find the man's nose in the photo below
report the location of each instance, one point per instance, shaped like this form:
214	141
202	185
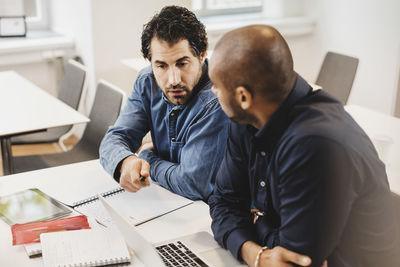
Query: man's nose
174	76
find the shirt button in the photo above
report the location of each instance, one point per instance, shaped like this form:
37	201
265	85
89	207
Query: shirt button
262	183
173	139
262	153
172	114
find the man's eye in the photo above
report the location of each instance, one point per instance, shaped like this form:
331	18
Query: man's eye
181	64
161	66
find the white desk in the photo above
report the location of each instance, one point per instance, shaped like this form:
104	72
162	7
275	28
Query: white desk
374	124
26	108
77	181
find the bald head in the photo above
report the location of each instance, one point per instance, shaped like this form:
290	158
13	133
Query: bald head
257	58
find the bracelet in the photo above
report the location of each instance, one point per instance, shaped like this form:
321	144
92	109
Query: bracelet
259	254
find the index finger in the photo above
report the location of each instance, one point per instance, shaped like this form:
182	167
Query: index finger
145	173
145	168
139	177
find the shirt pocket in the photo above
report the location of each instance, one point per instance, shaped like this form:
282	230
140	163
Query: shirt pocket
175	151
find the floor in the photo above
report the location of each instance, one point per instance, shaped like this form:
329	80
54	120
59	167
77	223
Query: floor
35	149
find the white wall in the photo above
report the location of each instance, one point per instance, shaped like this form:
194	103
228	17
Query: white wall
367	29
11	8
105	32
74	18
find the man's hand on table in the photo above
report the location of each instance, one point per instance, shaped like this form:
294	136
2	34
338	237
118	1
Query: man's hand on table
135	174
276	257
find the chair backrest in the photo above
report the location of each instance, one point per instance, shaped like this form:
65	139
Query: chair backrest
337	74
105	111
397	106
72	84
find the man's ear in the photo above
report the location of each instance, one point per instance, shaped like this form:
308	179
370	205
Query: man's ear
203	56
243	97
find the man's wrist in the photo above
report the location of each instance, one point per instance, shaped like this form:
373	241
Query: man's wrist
260	251
249	251
124	160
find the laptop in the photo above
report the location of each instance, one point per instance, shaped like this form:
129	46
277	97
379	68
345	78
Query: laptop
199	249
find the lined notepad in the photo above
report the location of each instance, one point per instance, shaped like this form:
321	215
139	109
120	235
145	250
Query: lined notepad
146	204
94	247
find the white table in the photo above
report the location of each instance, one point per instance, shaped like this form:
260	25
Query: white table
379	124
77	181
25	108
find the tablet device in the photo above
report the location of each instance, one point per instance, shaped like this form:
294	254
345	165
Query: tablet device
30	205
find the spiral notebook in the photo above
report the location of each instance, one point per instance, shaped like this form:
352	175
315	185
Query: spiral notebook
142	206
94	247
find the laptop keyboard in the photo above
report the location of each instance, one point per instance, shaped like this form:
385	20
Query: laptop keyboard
177	254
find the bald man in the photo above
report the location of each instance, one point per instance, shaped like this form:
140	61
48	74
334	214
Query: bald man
298	172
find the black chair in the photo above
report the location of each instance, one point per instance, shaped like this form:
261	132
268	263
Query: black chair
70	93
105	110
337	74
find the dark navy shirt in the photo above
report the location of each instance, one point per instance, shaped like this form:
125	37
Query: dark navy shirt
317	177
189	140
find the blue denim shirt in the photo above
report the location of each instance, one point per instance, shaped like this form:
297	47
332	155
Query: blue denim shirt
189	140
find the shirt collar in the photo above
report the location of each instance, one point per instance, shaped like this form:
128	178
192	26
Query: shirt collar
269	134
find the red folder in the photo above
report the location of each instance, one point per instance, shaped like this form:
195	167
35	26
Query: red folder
30	232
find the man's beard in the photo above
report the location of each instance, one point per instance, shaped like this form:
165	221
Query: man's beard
178	99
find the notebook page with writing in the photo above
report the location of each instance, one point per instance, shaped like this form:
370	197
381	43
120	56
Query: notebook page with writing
94	247
146	204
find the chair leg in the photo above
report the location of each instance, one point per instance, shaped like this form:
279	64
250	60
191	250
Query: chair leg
61	142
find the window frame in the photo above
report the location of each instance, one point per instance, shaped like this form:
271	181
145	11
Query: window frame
41	21
207	12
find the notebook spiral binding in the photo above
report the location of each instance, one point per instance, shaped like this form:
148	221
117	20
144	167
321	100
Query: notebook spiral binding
95	198
108	261
104	262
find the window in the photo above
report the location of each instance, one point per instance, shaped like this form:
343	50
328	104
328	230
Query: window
223	7
36	13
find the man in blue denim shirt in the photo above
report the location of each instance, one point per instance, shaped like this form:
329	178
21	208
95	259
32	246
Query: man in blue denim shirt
173	100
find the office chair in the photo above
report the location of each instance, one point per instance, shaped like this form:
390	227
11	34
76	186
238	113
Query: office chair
337	74
106	107
396	200
70	93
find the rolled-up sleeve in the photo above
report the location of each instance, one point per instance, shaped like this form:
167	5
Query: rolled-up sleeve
125	136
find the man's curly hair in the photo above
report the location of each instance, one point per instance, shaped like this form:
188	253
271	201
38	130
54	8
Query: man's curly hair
172	24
